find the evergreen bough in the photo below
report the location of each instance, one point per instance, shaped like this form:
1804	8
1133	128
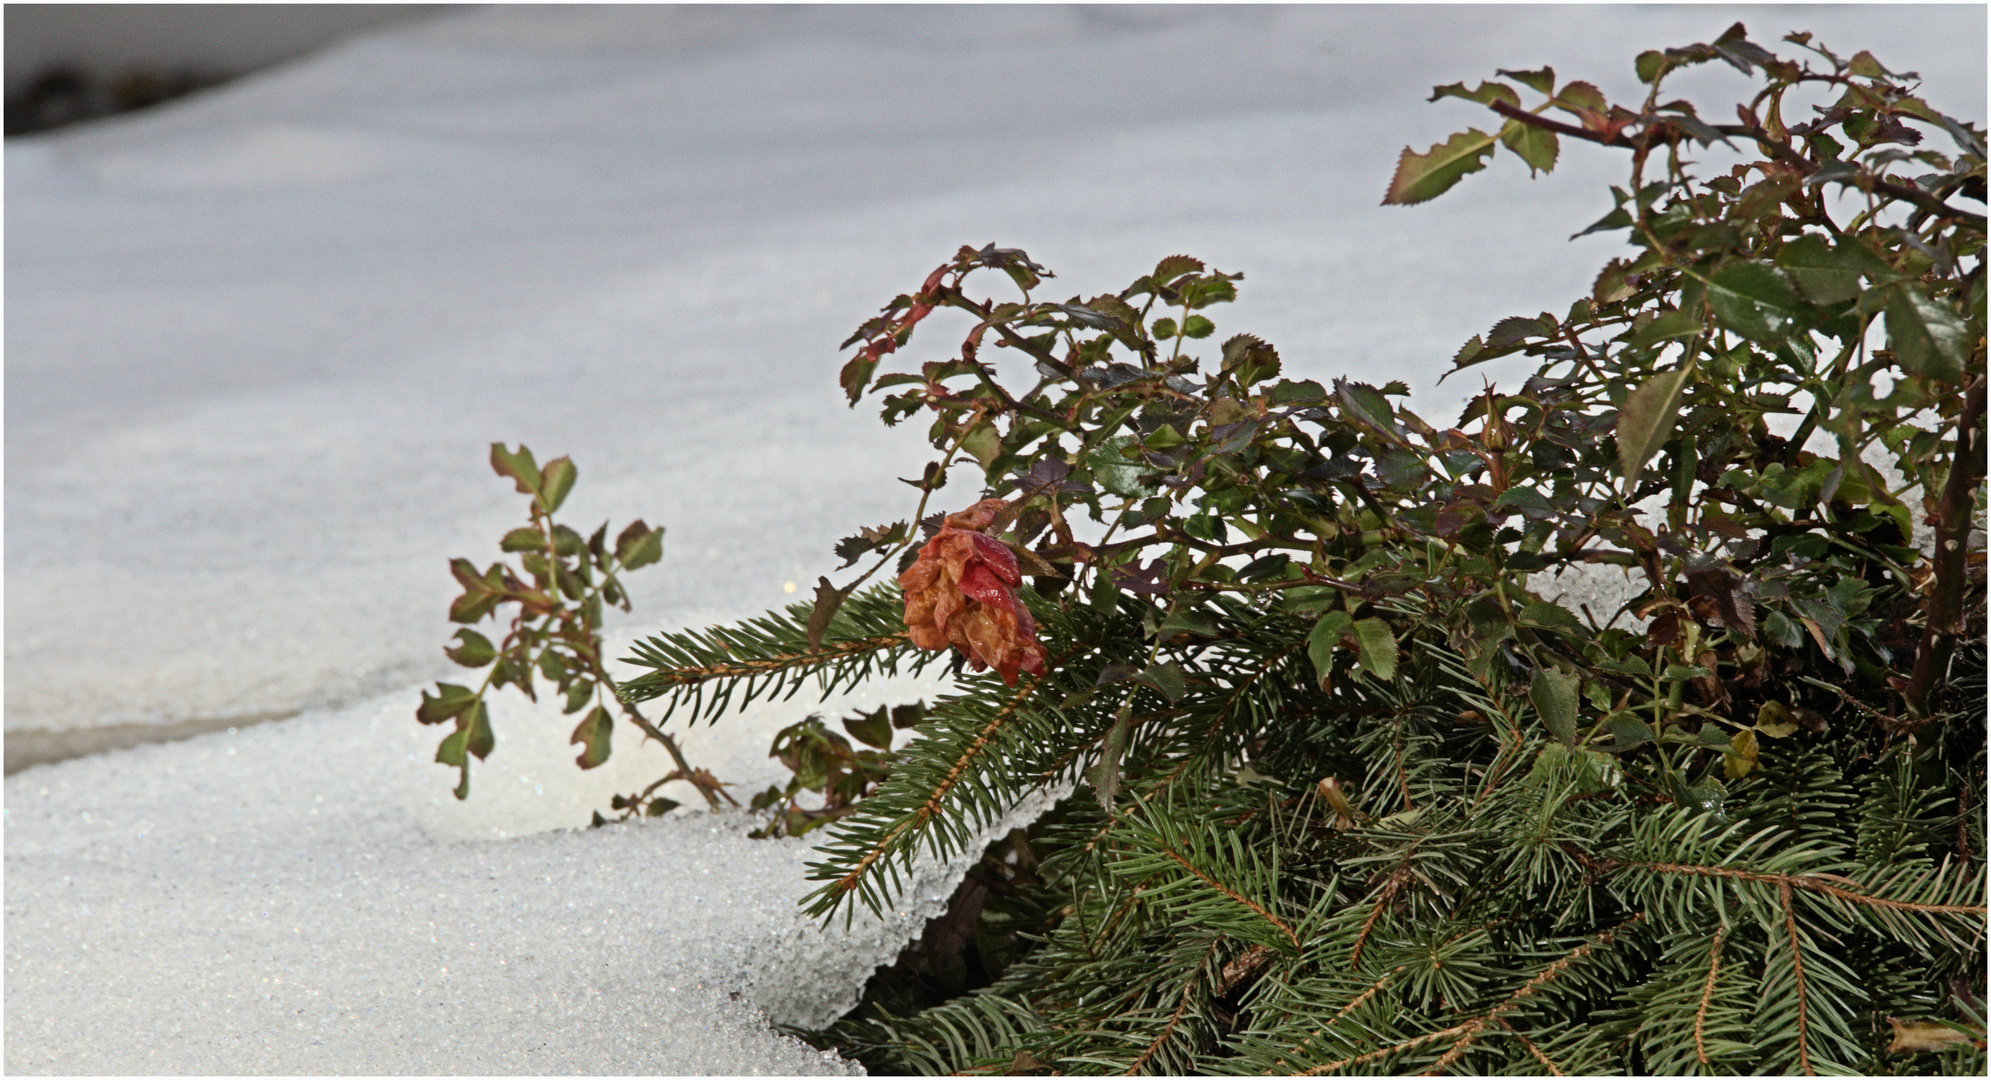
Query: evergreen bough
1352	796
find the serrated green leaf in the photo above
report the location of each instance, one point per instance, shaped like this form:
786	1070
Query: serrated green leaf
523	538
1422	177
1756	300
1646	421
593	733
1554	696
481	592
1174	267
1187	622
1929	339
1541	82
1545	614
473	650
1530	502
479	740
1203	290
1649	64
1865	66
1323	639
983	443
519	466
1288	392
1468	353
1377	647
1536	146
1582	99
856	374
1826	274
450	752
639	545
1627	732
1114	471
1486	94
556	479
1196	326
1165	678
1669	324
450	700
1363	402
1251	359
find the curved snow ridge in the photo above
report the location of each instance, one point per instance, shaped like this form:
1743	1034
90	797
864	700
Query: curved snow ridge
301	897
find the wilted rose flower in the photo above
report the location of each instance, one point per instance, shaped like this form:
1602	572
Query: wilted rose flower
962	592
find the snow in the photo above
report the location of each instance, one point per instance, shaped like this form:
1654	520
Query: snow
258	341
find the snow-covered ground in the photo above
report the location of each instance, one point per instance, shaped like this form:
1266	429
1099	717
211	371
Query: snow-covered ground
258	341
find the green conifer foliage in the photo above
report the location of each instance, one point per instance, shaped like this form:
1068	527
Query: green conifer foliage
1351	797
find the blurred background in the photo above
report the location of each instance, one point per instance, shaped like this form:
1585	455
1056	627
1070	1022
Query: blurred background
71	62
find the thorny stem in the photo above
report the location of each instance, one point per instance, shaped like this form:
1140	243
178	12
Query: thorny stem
1776	148
1951	518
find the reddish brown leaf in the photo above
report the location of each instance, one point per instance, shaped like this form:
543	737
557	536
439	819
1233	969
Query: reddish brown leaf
961	592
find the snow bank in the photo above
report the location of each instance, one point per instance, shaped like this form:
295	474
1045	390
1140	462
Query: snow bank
257	341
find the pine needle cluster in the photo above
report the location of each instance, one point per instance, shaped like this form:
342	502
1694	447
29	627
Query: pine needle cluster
1350	796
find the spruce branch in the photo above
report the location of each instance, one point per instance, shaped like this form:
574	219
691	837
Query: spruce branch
1528	1045
1707	994
1797	968
1175	1018
770	655
1464	1033
1813	883
1235	895
1354	1003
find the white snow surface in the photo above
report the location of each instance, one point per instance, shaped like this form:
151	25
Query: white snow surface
258	341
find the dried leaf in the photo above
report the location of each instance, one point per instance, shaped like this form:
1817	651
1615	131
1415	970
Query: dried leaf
961	592
873	729
828	599
1739	760
593	733
1775	721
1105	775
1922	1036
